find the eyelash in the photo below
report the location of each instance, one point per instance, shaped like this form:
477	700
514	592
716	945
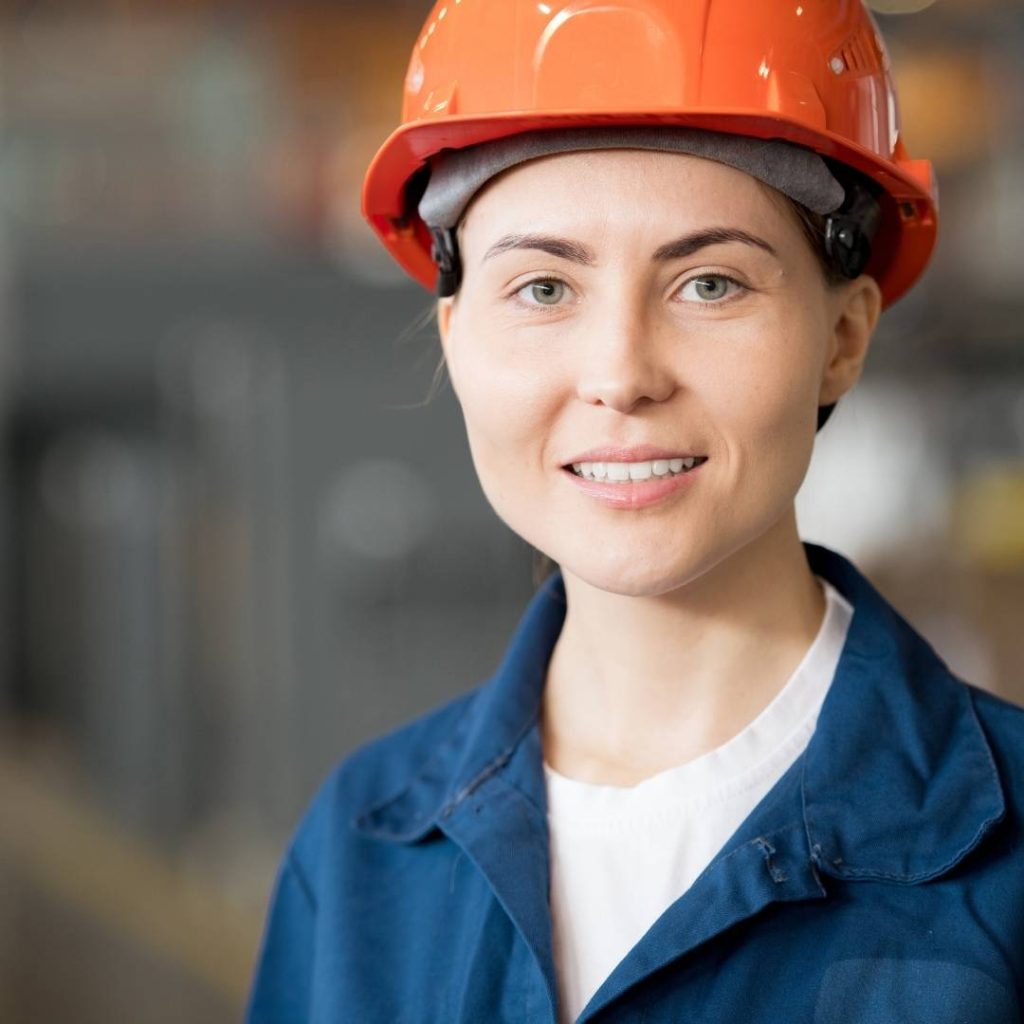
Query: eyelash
514	296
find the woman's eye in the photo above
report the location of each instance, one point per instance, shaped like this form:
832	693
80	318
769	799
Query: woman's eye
542	292
709	288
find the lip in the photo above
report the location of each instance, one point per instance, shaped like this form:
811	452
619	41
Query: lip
636	494
639	453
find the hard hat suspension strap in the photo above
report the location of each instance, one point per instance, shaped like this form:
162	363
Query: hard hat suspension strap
850	230
445	253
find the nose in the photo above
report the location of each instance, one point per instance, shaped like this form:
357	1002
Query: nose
625	361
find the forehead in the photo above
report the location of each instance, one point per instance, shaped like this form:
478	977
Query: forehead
610	189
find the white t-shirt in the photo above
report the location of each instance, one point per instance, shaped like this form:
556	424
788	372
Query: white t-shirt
620	855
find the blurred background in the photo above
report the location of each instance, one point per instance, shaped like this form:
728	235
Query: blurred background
236	540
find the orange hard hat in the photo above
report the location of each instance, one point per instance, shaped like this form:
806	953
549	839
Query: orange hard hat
814	73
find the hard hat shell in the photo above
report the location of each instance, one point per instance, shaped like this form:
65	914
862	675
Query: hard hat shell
814	72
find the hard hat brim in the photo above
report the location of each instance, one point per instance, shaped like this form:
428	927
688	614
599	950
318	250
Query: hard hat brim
908	191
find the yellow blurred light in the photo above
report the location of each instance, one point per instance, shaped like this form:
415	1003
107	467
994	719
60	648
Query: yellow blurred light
989	516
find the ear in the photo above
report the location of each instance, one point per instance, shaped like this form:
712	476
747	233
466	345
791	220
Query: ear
445	308
445	311
855	315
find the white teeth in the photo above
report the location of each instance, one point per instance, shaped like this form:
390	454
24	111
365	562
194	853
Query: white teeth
622	472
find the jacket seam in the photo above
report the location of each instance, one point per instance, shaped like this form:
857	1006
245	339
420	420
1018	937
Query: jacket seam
436	754
485	773
759	842
295	866
992	767
491	767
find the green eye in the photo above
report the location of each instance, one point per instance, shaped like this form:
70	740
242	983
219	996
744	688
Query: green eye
545	293
711	290
712	287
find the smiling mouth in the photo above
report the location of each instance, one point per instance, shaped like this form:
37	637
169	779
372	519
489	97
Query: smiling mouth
627	472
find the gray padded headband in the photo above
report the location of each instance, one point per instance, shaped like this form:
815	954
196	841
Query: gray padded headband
457	175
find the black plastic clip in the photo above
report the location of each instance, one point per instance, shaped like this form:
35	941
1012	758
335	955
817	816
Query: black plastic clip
445	253
850	230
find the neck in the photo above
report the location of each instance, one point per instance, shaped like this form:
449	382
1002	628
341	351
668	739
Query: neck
636	685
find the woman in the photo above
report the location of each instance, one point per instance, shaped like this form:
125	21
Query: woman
717	777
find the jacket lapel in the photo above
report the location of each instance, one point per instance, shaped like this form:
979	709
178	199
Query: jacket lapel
766	861
506	835
899	783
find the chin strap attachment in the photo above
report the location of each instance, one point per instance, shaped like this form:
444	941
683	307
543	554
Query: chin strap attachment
848	236
850	230
445	253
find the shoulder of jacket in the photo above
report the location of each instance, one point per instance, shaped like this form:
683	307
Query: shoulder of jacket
1002	719
372	772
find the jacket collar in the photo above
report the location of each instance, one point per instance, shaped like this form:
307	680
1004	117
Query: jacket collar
898	781
499	717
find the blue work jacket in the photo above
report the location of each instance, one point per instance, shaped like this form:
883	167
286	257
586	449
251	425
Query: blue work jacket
880	881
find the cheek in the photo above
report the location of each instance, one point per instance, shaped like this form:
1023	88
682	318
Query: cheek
509	403
763	396
769	371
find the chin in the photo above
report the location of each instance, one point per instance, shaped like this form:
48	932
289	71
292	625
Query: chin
629	575
651	568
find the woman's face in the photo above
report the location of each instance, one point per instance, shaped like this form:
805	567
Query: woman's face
625	310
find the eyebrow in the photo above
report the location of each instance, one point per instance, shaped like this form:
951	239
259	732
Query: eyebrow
679	248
